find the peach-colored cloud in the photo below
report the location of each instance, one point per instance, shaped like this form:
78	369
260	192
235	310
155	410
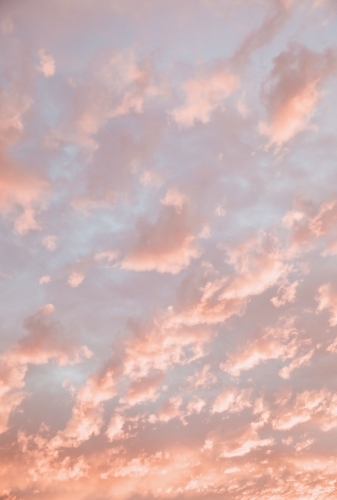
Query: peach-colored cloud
160	345
107	256
327	299
47	64
287	294
50	242
259	264
44	279
144	389
166	245
114	430
232	400
117	84
277	343
194	141
316	406
202	379
246	447
22	193
203	95
75	279
87	413
293	92
45	341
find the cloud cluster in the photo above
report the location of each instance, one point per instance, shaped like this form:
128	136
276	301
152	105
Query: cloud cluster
168	244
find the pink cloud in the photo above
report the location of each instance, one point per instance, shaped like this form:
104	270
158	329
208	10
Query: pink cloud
45	342
47	64
75	279
168	207
327	299
277	343
292	93
168	244
203	95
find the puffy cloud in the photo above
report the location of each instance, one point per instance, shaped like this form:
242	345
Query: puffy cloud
327	299
44	279
22	192
287	294
315	406
171	409
161	345
75	279
87	413
114	430
203	95
107	256
259	264
45	341
50	242
213	375
116	85
47	64
166	245
232	400
277	343
202	379
252	443
144	389
292	93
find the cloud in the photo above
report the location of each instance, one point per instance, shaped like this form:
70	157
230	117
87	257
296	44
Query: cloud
144	389
47	64
87	413
46	341
232	400
327	299
276	343
315	406
44	279
116	84
291	92
161	203
166	245
259	263
75	279
50	242
160	345
23	193
114	430
287	294
203	379
204	94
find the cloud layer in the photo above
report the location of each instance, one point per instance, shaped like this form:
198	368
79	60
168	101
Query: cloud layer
168	221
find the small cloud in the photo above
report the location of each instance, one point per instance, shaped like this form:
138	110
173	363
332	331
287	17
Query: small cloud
203	95
220	211
26	222
47	63
105	256
50	242
47	309
174	198
75	279
44	279
242	107
205	232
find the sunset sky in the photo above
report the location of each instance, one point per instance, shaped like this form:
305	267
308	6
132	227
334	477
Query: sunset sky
168	220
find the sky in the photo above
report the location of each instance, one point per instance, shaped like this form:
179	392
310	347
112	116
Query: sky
168	221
